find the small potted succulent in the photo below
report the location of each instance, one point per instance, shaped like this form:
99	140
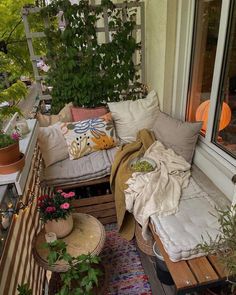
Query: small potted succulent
55	211
11	159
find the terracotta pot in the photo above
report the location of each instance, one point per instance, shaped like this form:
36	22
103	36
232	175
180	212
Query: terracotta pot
61	227
13	167
10	154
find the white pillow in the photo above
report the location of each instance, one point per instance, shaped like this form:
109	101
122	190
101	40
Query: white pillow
52	144
131	116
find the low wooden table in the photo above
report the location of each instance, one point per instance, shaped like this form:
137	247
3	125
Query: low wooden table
193	274
87	236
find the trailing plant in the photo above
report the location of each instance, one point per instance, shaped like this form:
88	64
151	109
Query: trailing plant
24	289
82	69
224	245
82	274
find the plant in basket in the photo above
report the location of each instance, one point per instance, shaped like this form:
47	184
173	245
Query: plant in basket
55	211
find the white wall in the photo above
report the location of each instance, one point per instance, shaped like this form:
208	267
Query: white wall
160	48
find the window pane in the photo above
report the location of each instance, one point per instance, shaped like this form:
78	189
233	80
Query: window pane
204	51
225	121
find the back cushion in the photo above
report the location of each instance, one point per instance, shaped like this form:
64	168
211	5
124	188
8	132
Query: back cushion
87	136
131	116
178	135
52	144
79	114
63	116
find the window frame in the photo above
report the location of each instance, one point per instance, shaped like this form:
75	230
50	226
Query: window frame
218	165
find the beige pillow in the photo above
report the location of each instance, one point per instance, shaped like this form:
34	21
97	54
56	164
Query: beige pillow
63	116
178	135
52	144
131	116
87	136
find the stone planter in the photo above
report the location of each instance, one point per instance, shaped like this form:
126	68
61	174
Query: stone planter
61	227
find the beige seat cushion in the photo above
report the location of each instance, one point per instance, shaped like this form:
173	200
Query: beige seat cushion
178	135
52	144
63	116
131	116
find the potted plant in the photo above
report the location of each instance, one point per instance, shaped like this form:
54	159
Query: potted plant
11	160
224	246
84	275
55	211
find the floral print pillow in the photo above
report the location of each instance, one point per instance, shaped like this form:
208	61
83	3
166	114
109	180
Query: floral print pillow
85	137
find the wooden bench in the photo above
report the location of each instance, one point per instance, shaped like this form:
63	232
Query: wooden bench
193	274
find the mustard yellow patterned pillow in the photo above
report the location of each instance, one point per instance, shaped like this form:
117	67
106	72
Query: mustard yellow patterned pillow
85	137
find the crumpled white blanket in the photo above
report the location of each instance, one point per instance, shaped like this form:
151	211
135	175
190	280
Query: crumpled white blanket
158	191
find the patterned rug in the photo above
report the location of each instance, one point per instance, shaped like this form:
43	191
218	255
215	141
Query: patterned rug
126	274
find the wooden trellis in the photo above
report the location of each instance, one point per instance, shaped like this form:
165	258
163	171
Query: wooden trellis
102	29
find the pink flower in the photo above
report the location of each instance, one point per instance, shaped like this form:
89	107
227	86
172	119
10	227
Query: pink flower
65	206
72	194
15	136
69	195
50	209
59	190
63	194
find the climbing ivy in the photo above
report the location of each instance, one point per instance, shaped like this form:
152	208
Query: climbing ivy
83	70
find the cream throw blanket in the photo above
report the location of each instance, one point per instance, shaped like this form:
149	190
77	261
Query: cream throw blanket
158	191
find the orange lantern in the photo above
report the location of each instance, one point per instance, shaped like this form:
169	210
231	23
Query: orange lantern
202	115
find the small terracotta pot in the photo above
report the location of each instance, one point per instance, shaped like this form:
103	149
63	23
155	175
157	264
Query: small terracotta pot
61	227
13	167
10	154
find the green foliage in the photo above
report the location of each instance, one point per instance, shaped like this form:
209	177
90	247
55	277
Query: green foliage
83	272
81	69
24	290
14	56
5	140
12	94
225	243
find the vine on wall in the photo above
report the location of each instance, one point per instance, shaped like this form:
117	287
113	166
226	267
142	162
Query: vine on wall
81	69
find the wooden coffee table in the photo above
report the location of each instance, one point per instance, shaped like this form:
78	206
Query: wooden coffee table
87	236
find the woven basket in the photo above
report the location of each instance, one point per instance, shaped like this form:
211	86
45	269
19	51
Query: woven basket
144	246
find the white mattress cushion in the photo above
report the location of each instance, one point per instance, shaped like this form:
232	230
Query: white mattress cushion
197	217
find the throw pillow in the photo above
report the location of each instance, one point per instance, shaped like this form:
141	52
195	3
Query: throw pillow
178	135
63	116
131	116
52	144
80	114
85	137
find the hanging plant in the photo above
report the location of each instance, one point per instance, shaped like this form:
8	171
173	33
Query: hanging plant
81	69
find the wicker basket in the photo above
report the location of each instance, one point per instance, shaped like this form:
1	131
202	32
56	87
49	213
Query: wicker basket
144	246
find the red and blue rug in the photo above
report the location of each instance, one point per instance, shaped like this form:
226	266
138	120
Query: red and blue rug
126	274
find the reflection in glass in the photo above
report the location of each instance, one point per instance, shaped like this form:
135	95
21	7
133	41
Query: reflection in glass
203	60
226	137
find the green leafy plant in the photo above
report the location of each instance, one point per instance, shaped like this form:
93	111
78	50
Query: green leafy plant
8	139
24	289
12	95
83	271
224	245
82	69
58	205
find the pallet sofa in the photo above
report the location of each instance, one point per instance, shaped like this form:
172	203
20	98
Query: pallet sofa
129	117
